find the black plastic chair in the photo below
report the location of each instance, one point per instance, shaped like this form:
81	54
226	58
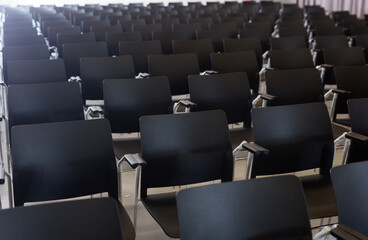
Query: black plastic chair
347	56
202	150
53	31
73	52
100	31
65	160
244	44
96	69
44	103
228	210
166	39
262	33
86	24
290	59
23	40
177	67
19	31
350	184
92	219
216	36
229	92
202	48
322	42
147	30
126	100
36	71
230	27
113	39
128	24
285	142
283	43
139	50
189	28
31	52
351	82
355	149
242	61
62	38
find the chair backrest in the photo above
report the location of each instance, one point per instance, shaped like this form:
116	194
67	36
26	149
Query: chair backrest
64	160
197	142
36	71
126	100
291	59
73	52
147	30
53	31
350	187
166	39
88	23
92	218
20	31
177	67
358	121
294	86
262	33
292	32
298	137
335	41
44	103
202	48
128	24
242	61
204	21
95	69
31	52
113	39
229	92
216	36
243	44
189	28
287	43
328	31
353	79
23	40
62	38
230	27
100	31
167	23
204	212
347	56
139	50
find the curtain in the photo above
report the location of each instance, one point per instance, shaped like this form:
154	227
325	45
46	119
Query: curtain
358	7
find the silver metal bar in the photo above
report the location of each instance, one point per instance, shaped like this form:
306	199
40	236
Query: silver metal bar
345	152
333	106
248	166
138	171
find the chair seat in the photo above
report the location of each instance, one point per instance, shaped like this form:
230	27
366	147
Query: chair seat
338	130
122	147
343	121
239	135
320	196
162	208
127	226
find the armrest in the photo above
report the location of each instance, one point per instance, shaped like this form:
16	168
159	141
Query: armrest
75	79
94	111
187	103
340	91
208	72
2	175
265	55
143	75
134	160
268	97
327	65
344	232
356	137
254	148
